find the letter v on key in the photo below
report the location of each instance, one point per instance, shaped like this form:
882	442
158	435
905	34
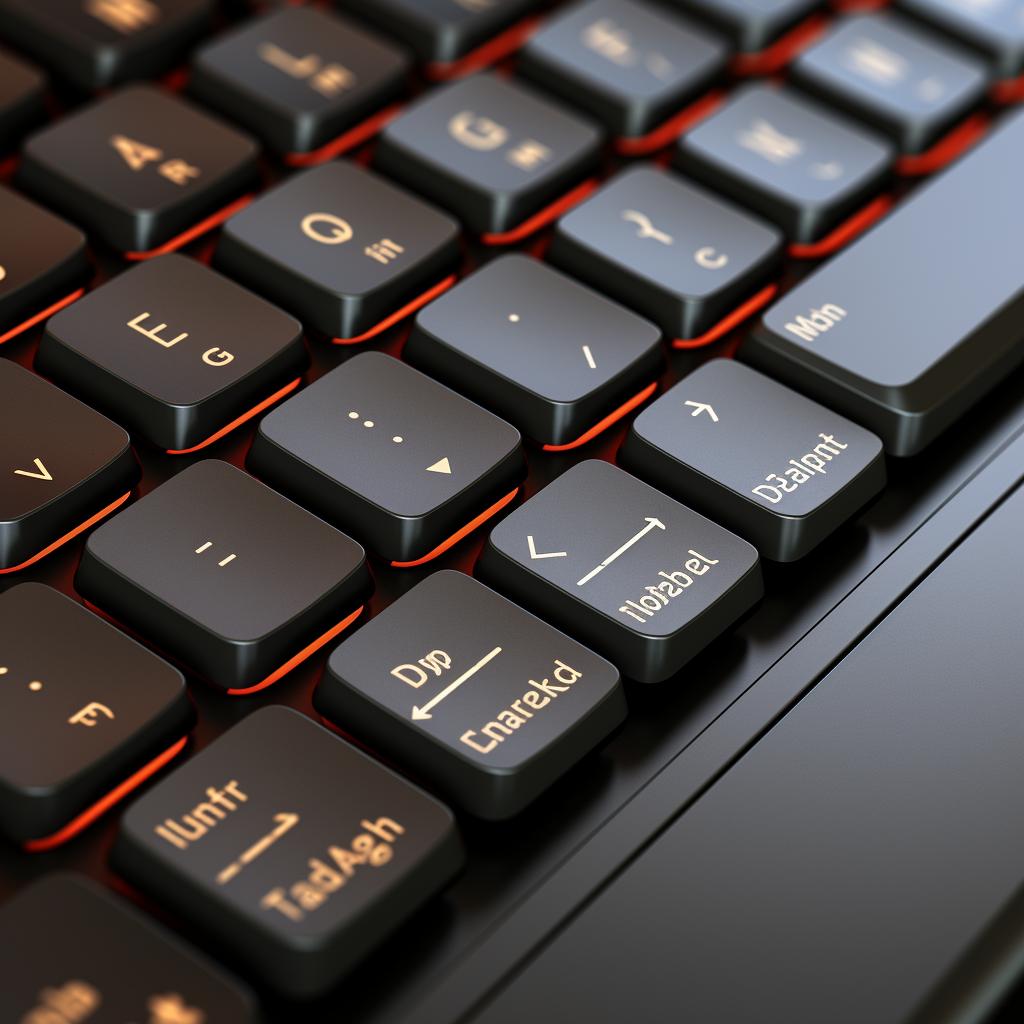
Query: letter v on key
535	554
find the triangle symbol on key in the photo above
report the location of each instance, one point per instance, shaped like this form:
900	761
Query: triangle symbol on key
441	466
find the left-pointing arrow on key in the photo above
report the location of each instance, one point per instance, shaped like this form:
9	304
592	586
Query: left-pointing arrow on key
43	474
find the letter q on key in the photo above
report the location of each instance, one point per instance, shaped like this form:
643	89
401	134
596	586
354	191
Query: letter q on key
337	232
217	357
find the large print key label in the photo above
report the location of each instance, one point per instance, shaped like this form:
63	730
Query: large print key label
298	873
671	584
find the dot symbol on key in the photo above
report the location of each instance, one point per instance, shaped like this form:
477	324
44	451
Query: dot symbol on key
369	424
513	318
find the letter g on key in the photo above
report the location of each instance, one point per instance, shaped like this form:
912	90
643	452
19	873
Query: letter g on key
326	228
217	357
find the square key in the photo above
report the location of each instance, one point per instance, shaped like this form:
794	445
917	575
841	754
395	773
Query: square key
35	278
77	717
672	250
298	78
174	351
904	82
777	468
492	151
788	158
624	63
488	703
297	851
63	467
643	580
94	44
388	453
226	575
341	248
557	360
138	167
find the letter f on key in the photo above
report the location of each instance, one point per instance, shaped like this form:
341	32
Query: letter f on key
154	333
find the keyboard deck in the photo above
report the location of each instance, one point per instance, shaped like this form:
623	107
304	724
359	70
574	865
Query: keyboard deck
901	151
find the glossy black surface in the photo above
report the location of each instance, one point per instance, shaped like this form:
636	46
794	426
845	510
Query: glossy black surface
22	94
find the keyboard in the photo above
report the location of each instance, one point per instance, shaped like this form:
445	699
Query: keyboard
455	455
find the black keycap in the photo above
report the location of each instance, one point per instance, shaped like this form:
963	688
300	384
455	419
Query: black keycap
42	263
157	166
174	351
627	64
777	468
22	91
80	717
914	323
342	248
442	31
380	448
63	466
493	152
995	30
95	44
226	575
750	25
299	77
671	250
554	358
788	158
299	873
488	703
611	560
907	84
76	953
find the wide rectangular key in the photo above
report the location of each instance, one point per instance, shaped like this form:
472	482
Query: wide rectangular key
342	248
83	721
174	351
909	327
557	360
293	849
388	453
77	954
777	468
22	91
642	579
494	152
299	77
36	279
158	167
488	703
63	467
625	63
226	575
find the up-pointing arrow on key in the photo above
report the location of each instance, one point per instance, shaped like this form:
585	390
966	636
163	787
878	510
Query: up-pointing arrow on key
699	407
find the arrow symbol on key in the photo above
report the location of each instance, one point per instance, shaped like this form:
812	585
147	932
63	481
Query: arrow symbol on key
535	554
699	407
43	474
419	714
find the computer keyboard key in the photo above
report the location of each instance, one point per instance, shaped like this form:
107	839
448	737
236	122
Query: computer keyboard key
342	248
22	93
628	65
673	251
910	85
388	453
751	26
299	77
74	953
95	44
494	152
777	468
225	575
995	30
63	467
642	579
909	327
84	720
441	32
174	351
298	873
36	278
554	358
788	158
157	167
475	695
